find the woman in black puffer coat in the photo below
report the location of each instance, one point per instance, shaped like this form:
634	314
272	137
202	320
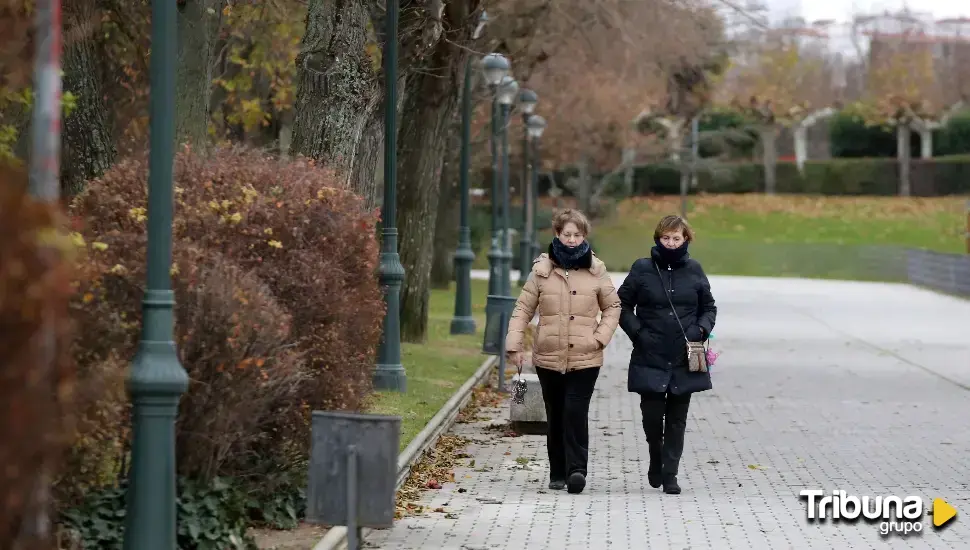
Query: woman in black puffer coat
658	364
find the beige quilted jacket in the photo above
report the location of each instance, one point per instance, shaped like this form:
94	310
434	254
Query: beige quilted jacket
569	302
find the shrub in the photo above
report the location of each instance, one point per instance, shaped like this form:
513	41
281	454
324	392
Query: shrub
210	516
36	376
278	312
862	176
309	238
245	376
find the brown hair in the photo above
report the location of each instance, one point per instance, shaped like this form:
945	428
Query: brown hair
673	223
561	218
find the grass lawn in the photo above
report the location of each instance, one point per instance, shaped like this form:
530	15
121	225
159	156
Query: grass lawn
437	368
820	236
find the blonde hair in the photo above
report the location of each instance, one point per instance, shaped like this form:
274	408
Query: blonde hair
672	224
570	215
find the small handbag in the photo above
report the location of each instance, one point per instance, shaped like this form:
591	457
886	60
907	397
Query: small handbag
519	388
696	352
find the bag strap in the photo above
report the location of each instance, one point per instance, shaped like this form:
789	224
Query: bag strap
669	301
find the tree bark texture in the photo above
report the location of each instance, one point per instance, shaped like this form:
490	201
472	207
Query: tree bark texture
338	116
87	142
198	30
367	178
449	211
431	97
430	104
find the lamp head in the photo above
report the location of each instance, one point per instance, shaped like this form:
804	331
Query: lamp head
508	89
528	100
496	67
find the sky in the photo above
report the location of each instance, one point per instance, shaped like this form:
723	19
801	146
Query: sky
841	10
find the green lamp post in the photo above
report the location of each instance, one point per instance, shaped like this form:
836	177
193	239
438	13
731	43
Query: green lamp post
495	67
157	379
463	322
508	90
536	126
527	104
389	372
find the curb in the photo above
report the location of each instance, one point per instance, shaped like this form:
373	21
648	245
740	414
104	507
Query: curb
336	537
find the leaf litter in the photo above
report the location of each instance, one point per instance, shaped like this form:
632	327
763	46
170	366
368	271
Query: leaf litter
437	466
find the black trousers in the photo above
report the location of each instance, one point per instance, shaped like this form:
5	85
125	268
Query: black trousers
664	423
567	396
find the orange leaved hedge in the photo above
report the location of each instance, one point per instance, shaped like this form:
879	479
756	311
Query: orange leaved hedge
278	306
36	374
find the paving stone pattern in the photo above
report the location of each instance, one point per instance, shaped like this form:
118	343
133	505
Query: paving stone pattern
824	385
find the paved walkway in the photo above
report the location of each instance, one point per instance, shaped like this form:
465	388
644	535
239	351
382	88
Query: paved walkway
829	385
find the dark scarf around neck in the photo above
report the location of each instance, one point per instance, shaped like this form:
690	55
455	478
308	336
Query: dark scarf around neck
574	257
669	256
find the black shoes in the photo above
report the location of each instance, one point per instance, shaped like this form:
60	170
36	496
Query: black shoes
670	485
576	482
557	485
654	473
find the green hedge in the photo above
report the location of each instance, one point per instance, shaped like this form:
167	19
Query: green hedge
872	176
849	136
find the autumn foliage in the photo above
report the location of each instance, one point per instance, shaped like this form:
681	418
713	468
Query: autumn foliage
36	376
278	309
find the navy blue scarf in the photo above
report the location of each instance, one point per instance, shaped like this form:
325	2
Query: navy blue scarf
670	256
571	257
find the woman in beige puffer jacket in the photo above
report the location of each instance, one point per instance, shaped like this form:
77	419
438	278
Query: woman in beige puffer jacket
579	310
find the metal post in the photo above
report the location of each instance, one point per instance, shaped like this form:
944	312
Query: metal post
506	241
463	322
536	247
694	149
495	252
44	186
353	536
46	120
525	237
157	380
968	226
389	372
503	330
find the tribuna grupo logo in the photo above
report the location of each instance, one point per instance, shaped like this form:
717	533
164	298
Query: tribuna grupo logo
894	514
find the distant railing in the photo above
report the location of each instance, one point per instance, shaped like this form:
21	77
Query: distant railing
945	272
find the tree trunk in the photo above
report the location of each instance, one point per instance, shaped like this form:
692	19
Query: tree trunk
338	116
629	162
800	135
88	145
585	185
449	213
367	180
198	30
769	142
903	155
430	104
926	143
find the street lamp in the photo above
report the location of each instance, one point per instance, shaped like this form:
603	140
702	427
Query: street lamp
508	90
536	126
157	379
389	372
495	67
463	322
527	104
